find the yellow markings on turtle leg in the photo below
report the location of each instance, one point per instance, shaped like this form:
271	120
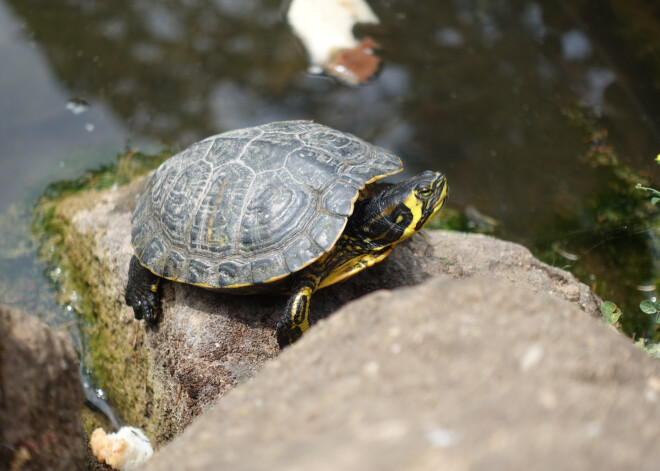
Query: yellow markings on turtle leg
299	312
295	320
154	287
354	265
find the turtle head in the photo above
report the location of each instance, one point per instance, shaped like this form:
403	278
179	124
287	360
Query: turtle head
401	210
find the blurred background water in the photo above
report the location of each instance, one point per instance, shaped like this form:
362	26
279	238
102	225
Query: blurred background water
484	90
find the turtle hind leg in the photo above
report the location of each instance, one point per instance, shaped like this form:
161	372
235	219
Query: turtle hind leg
295	320
142	292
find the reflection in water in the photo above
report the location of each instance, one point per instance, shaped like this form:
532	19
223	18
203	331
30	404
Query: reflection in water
532	18
449	37
157	62
575	45
77	105
598	80
475	88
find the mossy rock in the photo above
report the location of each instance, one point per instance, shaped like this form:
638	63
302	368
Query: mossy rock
206	343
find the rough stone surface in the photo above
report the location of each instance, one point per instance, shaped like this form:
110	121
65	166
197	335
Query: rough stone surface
40	397
206	343
475	374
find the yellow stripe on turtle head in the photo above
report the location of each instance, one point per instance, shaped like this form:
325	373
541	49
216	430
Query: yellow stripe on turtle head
416	208
423	209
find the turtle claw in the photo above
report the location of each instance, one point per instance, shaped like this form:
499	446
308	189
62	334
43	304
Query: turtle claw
142	292
286	333
144	307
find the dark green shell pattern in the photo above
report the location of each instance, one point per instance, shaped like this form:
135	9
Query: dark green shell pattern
253	205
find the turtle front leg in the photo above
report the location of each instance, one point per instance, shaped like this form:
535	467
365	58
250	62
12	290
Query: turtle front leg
142	292
295	320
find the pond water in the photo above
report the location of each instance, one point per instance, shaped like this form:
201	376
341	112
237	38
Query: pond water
485	90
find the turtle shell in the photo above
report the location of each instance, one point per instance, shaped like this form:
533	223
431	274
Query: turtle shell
253	205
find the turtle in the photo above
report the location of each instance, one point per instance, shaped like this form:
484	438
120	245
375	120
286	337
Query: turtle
285	207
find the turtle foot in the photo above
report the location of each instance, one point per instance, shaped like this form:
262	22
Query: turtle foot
286	333
142	292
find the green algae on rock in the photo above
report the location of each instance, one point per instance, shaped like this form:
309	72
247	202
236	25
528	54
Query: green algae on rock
72	266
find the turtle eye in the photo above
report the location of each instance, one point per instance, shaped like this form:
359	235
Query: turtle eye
425	192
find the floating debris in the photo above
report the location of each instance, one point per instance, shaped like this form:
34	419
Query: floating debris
126	450
645	288
355	66
325	28
77	106
564	253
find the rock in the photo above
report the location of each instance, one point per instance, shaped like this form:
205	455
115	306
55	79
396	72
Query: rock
40	397
206	343
158	379
475	374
